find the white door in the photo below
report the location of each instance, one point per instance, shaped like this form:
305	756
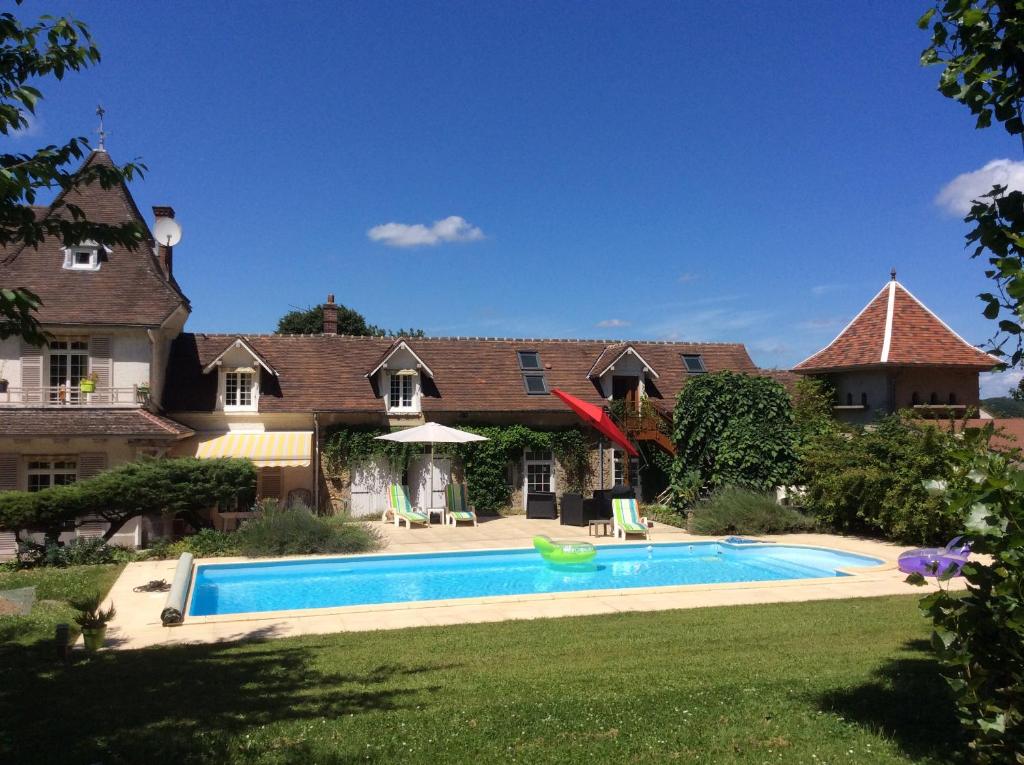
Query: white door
538	472
419	481
370	481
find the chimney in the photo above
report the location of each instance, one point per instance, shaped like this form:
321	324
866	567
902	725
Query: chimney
164	252
330	316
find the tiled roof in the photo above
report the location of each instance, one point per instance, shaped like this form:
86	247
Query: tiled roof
328	372
129	288
896	329
1009	431
75	421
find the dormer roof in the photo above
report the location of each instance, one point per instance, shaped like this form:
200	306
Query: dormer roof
611	355
129	288
896	329
239	342
400	345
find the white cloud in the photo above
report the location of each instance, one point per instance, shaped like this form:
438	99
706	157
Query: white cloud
688	277
957	195
995	384
454	228
821	323
613	323
823	289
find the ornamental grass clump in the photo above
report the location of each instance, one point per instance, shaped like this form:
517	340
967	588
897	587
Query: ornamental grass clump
734	510
298	531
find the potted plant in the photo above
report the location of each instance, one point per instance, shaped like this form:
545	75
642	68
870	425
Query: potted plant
93	621
142	393
88	383
3	380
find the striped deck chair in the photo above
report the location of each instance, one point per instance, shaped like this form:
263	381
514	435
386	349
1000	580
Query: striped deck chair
401	510
625	518
458	508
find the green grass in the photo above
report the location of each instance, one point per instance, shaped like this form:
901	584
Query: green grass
828	682
54	588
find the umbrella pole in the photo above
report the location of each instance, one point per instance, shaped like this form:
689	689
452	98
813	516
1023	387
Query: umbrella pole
430	501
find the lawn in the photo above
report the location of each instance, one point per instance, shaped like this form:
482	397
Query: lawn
826	682
54	588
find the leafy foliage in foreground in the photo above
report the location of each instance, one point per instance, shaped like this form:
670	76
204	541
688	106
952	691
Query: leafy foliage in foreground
870	481
979	635
733	429
734	510
297	531
184	486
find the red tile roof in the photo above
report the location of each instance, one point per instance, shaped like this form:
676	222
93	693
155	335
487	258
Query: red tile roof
1009	431
130	288
896	329
328	372
71	421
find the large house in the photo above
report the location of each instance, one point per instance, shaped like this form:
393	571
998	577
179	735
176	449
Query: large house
896	354
117	317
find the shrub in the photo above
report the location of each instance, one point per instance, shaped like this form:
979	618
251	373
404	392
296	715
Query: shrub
870	482
979	634
77	552
735	510
205	543
297	531
733	429
664	514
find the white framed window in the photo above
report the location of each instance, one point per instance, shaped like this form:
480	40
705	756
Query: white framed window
67	361
239	390
403	391
619	463
84	257
44	472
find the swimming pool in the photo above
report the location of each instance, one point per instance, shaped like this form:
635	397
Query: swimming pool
235	588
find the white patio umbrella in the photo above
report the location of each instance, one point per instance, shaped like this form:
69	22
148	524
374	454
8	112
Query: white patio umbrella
432	433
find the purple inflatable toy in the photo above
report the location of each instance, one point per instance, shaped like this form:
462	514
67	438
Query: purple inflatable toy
936	561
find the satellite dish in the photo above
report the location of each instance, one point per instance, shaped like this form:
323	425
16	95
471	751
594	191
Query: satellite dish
166	231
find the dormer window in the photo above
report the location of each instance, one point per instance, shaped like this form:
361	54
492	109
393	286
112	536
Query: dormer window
403	391
240	390
84	257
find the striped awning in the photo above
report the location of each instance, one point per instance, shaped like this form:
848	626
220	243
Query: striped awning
290	448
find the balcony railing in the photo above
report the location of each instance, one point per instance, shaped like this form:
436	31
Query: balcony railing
61	395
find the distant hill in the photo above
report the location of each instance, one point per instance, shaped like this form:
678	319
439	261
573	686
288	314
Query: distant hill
1003	406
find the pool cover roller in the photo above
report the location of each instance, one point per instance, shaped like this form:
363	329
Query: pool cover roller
564	553
174	608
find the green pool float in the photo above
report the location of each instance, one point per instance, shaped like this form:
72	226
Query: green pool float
564	553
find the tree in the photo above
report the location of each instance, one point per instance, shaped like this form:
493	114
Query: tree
1017	392
310	321
49	47
733	429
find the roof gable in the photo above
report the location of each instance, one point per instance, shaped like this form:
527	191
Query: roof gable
397	347
239	343
896	329
611	355
129	288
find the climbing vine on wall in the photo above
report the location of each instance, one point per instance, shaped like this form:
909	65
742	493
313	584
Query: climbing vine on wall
485	463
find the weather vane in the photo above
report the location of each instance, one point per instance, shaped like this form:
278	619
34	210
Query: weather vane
100	111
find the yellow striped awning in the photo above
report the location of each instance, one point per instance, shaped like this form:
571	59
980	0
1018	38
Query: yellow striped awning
279	449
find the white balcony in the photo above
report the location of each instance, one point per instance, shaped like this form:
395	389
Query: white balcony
72	397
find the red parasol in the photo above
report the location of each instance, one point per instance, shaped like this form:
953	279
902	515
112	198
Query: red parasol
599	418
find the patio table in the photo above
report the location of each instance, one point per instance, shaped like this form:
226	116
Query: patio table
442	511
604	524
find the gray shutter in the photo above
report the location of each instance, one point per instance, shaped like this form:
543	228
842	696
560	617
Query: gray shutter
8	472
31	373
269	483
91	464
101	365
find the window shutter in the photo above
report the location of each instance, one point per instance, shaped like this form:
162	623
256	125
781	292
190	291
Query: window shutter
91	464
269	483
8	472
101	365
31	373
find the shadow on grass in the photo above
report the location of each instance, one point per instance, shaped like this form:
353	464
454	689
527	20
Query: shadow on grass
184	704
909	702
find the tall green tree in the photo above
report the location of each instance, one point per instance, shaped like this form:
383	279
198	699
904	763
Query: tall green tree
979	635
310	321
47	48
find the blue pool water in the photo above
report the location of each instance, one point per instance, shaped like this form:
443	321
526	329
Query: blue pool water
235	588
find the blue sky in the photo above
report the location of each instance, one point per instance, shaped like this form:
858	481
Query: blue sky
726	172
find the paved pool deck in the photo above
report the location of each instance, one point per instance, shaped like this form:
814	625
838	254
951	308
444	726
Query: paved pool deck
137	624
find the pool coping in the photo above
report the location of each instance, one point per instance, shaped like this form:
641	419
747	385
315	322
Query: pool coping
857	574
